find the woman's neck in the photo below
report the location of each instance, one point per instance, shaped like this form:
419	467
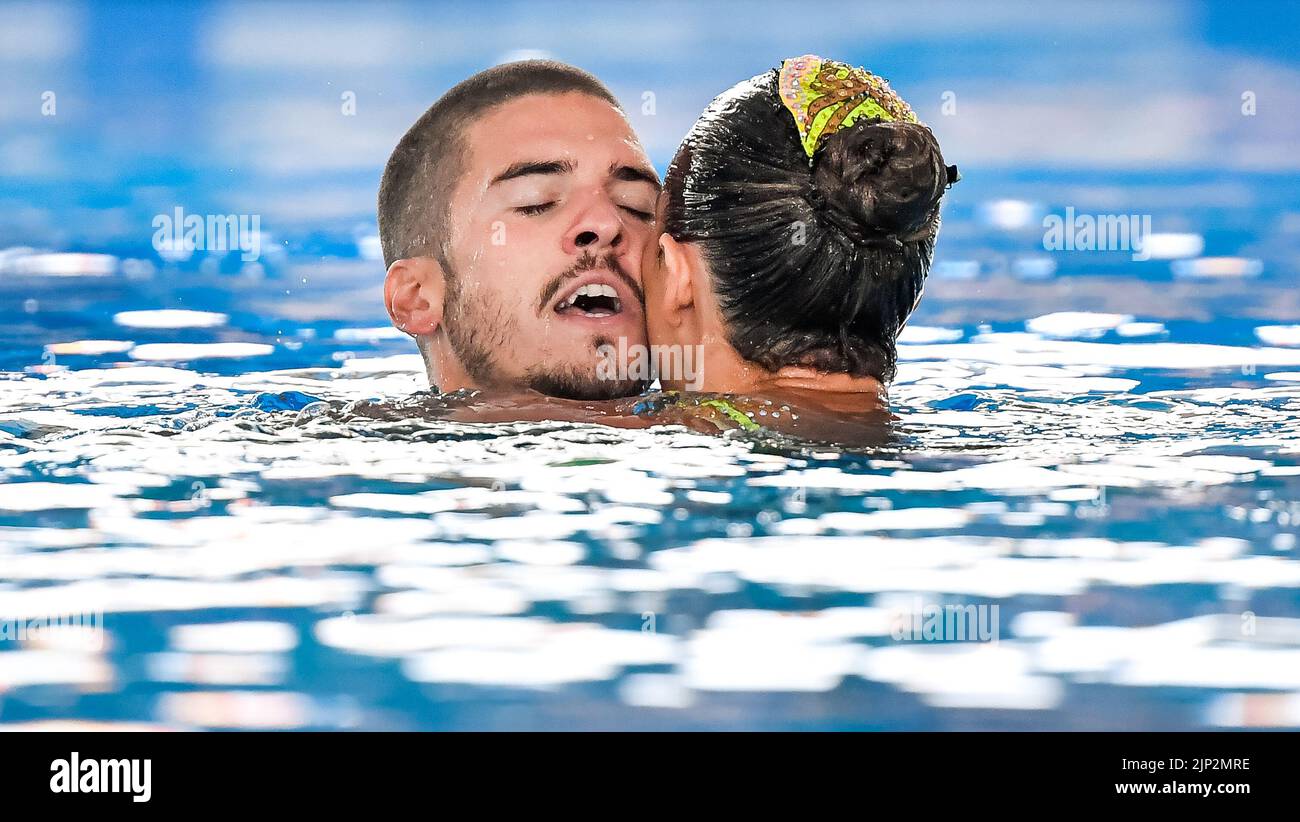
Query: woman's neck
843	393
727	373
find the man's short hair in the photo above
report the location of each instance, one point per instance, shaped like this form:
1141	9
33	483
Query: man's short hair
422	172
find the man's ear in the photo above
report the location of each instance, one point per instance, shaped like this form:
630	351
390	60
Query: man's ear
678	278
413	293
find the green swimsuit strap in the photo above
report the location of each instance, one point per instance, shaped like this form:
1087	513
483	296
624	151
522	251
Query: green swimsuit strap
733	413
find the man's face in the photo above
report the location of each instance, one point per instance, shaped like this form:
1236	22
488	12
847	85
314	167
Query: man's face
547	228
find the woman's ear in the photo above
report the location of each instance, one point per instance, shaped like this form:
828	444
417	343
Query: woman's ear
678	271
413	293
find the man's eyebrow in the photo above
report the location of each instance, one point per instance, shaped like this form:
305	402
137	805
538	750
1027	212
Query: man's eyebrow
634	174
527	167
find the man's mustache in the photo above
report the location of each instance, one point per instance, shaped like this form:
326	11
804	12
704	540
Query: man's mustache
589	262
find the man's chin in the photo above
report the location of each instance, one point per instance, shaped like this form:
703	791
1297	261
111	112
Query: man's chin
574	386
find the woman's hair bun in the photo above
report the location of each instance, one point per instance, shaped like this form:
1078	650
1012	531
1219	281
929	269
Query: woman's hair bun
880	179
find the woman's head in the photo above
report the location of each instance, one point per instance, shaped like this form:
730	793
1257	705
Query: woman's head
808	216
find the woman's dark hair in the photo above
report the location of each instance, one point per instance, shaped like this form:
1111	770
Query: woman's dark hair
817	265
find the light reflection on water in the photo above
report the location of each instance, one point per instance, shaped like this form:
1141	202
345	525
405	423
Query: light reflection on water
260	565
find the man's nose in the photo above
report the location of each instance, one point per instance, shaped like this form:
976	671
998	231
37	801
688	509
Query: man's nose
598	228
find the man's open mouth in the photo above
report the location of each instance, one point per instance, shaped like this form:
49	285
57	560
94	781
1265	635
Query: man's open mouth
593	296
595	300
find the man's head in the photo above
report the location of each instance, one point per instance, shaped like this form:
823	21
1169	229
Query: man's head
521	187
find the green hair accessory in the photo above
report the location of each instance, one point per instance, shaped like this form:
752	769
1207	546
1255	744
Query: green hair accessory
826	95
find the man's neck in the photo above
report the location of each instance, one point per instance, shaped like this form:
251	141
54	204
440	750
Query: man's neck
443	368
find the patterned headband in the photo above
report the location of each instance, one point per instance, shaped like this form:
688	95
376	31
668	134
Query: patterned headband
826	95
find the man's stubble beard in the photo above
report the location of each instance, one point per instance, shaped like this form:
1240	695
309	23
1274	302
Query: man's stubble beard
478	327
578	384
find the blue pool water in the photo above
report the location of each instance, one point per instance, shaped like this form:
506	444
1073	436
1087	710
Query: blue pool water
1131	513
1102	454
